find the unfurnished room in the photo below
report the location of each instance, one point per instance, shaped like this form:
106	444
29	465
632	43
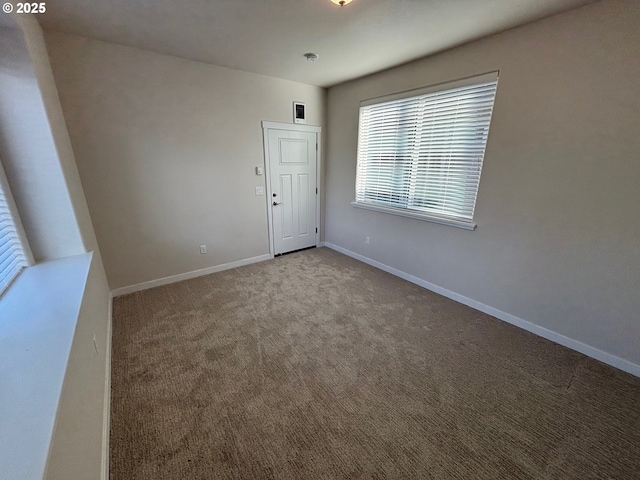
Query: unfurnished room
320	239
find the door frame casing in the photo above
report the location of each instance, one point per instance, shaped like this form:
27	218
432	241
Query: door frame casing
266	126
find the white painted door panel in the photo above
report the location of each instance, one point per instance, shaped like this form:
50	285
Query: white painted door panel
293	162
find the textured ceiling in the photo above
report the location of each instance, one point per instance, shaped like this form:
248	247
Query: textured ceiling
270	37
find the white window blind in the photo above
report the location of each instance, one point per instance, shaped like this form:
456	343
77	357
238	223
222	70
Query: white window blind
14	255
422	151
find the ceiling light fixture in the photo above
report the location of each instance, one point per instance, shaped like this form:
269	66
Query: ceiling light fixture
342	3
311	57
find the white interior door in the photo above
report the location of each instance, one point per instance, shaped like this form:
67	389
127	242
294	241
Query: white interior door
293	201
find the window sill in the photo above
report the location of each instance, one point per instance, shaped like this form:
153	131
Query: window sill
38	316
417	216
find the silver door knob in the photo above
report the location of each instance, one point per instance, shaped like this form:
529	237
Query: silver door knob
276	203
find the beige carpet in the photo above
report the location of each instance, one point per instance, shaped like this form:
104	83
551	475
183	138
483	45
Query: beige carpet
316	366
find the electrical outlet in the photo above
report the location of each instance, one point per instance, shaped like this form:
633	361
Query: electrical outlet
259	190
367	240
203	249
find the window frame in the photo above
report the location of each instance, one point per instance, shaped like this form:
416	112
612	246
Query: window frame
16	223
409	174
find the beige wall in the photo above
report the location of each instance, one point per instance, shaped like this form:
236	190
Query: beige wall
558	212
166	150
51	101
29	155
79	447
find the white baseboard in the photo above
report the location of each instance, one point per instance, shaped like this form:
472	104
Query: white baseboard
186	276
576	345
106	416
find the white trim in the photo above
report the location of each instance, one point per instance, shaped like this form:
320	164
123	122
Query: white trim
267	181
290	126
417	215
106	416
588	350
186	276
318	183
266	126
